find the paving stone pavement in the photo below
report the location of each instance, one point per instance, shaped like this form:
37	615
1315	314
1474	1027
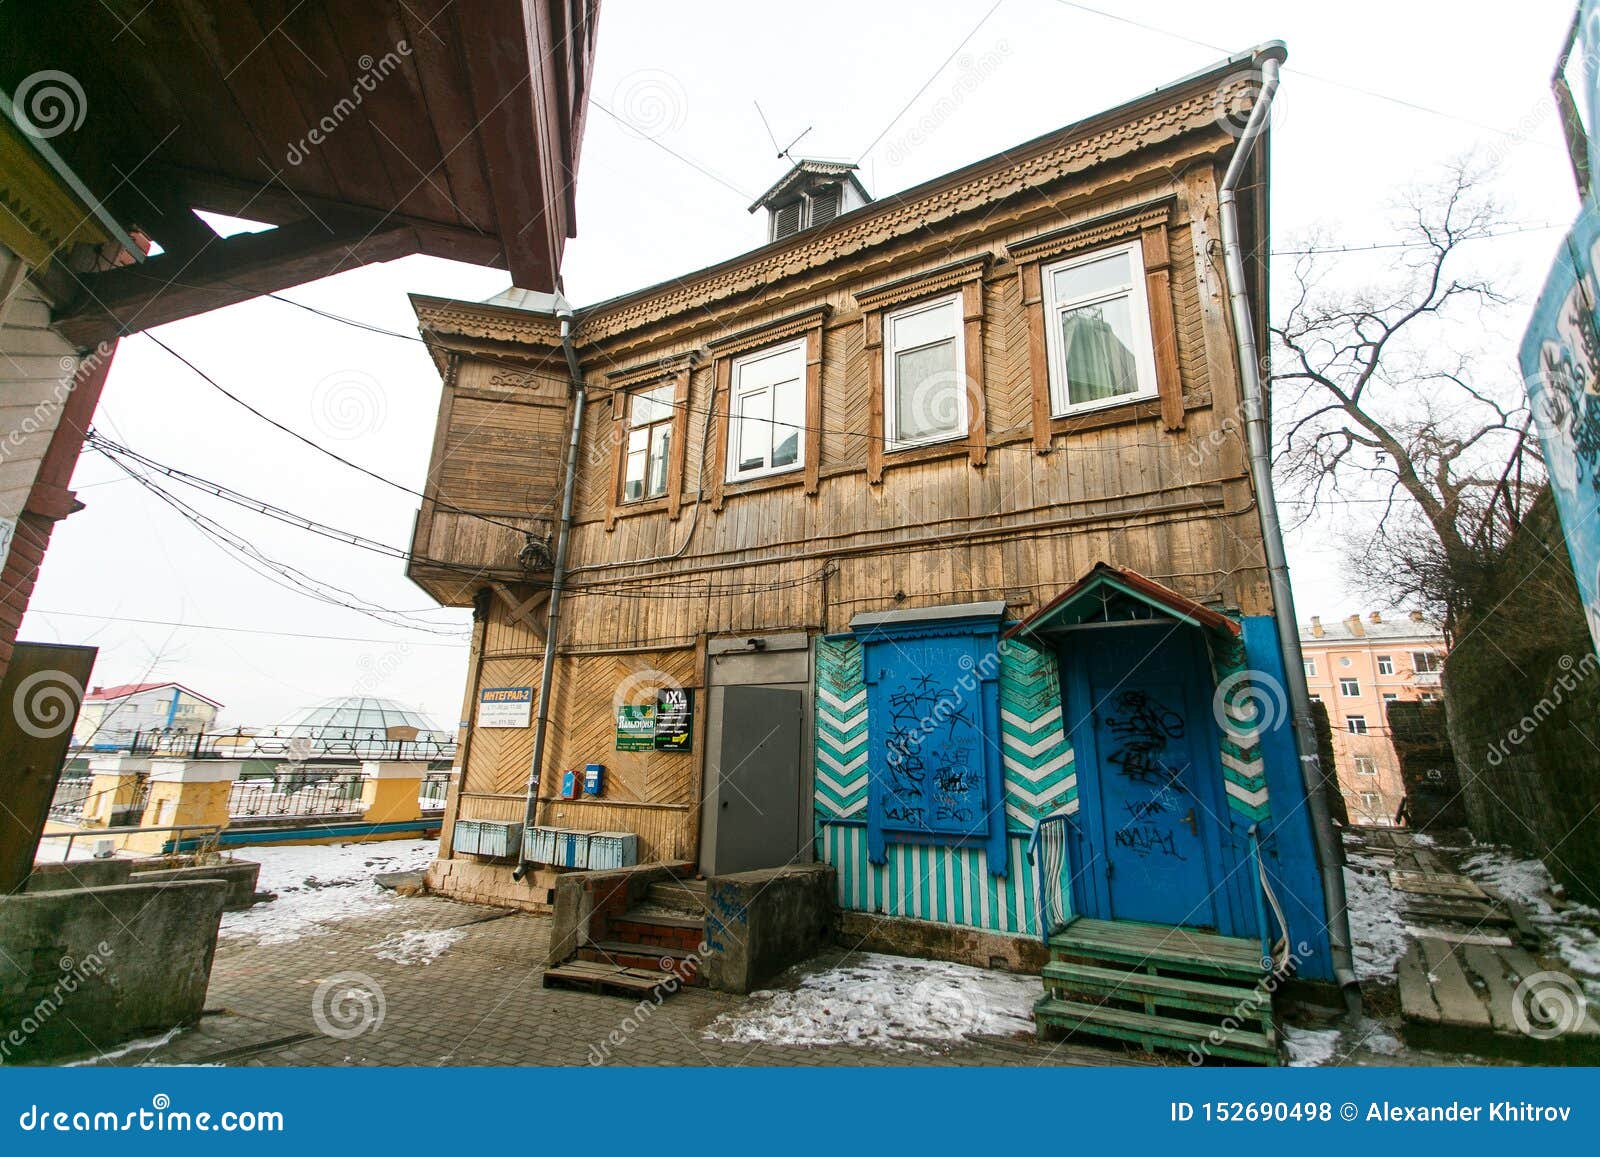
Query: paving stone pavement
482	1002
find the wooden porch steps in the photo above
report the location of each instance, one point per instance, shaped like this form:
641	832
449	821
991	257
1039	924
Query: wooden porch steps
1159	987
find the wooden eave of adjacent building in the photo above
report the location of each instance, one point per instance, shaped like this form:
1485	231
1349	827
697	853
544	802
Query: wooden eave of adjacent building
445	129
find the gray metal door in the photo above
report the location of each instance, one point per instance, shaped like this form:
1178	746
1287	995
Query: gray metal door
757	779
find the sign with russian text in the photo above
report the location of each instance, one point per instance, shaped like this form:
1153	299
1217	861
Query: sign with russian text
636	727
674	719
505	706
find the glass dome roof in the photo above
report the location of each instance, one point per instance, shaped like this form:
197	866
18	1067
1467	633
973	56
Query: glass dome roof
356	718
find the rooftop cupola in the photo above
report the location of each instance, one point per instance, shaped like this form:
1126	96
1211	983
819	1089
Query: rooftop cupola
810	194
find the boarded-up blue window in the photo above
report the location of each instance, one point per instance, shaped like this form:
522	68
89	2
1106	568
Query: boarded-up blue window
933	723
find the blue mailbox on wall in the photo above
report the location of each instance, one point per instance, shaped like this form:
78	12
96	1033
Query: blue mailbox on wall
933	726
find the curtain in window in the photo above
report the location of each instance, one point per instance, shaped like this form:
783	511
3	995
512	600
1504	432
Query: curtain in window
1099	361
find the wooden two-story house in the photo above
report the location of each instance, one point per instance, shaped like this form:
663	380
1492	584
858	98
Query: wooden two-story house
921	528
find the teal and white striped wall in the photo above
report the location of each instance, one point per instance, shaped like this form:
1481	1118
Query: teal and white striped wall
946	885
1243	704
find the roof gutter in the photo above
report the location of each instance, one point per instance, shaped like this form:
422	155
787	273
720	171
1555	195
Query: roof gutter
558	576
1269	58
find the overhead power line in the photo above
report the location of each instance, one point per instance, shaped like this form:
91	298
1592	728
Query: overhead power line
240	630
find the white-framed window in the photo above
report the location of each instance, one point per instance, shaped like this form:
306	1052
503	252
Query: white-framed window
1350	688
1366	765
1429	697
1355	724
1097	330
1386	664
924	386
767	408
1344	660
1311	668
1370	800
650	418
1425	662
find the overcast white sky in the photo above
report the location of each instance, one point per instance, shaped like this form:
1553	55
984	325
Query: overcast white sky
1453	78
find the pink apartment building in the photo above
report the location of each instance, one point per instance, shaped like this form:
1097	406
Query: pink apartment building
1357	667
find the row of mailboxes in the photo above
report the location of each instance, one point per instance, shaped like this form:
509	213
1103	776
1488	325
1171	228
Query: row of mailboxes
569	848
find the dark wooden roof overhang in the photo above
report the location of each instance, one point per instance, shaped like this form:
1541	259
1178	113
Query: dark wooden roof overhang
364	131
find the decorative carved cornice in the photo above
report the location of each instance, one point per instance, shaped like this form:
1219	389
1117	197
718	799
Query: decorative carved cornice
771	332
666	367
892	219
444	317
1093	231
926	283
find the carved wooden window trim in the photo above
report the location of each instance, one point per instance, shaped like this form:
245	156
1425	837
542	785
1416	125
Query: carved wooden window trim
966	278
624	384
807	326
1150	224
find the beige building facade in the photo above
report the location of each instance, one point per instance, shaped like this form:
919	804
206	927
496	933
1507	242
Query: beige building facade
1357	667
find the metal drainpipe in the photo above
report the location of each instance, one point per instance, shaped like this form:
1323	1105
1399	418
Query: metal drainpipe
558	574
1329	856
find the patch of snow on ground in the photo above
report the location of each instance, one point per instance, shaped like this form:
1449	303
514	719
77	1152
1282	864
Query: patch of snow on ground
1310	1046
1378	933
417	945
887	1002
1571	928
133	1046
321	884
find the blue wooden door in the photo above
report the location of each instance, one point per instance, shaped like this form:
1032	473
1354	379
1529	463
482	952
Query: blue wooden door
1157	809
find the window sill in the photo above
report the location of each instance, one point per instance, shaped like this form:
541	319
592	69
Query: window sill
925	452
641	506
762	482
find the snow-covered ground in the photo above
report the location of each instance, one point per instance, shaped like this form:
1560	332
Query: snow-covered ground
888	1002
321	884
1573	930
417	945
1376	929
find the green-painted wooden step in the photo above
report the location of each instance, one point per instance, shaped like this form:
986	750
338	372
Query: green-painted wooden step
1159	946
1155	1031
1237	1000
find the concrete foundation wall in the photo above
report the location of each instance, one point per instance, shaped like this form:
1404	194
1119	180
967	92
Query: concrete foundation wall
78	874
759	923
490	882
239	875
84	970
866	932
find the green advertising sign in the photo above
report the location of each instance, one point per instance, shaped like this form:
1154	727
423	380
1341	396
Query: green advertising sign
636	727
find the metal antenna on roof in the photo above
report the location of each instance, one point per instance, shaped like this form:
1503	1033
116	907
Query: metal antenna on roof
784	152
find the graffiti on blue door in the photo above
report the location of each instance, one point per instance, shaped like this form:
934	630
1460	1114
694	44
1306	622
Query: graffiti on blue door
933	721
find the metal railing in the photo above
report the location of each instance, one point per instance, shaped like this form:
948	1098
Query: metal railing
245	743
207	839
1049	854
71	795
300	794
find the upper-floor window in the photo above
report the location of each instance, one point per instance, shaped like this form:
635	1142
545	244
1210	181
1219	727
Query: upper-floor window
1350	687
1097	330
768	408
925	392
1386	664
1366	765
650	415
1356	724
1425	662
1311	668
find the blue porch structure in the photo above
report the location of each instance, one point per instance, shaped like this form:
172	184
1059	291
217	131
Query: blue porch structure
1123	755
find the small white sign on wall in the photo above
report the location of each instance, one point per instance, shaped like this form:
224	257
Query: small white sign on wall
505	706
